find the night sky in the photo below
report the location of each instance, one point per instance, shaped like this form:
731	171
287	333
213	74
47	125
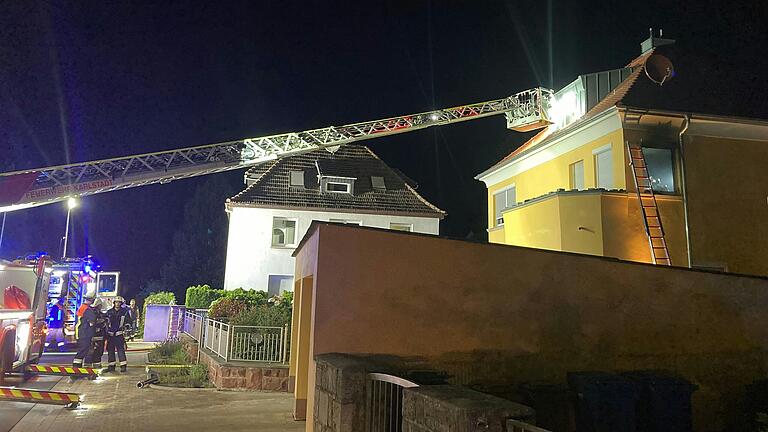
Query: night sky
90	79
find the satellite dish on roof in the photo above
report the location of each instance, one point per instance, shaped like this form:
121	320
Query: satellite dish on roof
659	69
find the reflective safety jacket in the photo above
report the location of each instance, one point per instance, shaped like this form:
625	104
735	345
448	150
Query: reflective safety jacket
85	323
118	320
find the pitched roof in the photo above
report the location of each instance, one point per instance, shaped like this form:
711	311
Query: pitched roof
615	97
269	185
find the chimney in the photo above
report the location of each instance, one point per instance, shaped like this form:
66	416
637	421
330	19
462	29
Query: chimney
653	42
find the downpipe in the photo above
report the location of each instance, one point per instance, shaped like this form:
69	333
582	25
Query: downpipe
684	186
152	378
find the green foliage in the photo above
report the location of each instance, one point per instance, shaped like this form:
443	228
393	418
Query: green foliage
194	376
226	307
162	297
250	297
263	315
169	352
201	296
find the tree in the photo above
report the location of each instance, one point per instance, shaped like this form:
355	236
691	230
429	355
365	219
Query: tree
200	242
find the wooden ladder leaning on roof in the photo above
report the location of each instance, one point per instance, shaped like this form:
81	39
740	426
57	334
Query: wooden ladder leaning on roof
647	200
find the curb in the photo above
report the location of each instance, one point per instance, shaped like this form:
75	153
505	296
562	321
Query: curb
186	389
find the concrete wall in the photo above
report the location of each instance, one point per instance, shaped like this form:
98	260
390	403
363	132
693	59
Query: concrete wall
494	316
251	257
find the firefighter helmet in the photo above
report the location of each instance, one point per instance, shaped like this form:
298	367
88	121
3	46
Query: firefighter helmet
98	303
118	299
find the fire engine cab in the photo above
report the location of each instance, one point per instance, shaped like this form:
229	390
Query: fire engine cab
23	294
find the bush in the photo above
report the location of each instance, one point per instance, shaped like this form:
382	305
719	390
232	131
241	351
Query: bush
169	352
249	297
269	316
201	296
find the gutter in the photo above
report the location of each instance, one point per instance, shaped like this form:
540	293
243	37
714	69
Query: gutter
683	185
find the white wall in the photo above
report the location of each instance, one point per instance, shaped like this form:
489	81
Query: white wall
251	257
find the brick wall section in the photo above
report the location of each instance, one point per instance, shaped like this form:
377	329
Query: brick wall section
231	376
449	408
339	394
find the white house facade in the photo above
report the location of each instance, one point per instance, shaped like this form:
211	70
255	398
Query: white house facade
283	197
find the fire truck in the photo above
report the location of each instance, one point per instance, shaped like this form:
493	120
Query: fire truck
72	280
24	286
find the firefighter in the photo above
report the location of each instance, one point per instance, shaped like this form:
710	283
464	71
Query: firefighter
100	330
118	322
84	331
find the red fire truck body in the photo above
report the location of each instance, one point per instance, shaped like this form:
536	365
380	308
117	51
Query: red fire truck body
23	296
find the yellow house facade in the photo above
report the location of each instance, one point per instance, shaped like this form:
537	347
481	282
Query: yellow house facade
574	189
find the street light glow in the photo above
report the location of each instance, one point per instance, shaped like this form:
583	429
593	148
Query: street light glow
71	203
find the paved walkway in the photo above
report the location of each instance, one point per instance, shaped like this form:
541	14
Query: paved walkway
114	403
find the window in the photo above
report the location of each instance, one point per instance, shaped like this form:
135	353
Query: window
604	169
378	183
660	169
502	201
283	232
337	187
576	174
401	226
277	284
346	222
297	178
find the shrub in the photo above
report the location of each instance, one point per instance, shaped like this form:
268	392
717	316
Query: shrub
250	297
201	296
169	352
226	307
269	316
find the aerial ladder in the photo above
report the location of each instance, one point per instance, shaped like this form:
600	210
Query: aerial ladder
524	111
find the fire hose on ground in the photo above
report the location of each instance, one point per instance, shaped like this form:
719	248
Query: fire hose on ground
152	378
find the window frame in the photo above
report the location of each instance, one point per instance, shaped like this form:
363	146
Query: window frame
347	186
596	153
499	221
572	175
295	232
403	224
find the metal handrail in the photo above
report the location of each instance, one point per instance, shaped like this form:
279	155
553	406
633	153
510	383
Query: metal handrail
267	344
520	426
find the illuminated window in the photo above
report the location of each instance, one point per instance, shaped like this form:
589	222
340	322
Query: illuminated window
604	169
401	226
503	200
660	169
576	173
283	232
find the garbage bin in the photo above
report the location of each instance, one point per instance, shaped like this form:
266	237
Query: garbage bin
555	406
665	401
605	402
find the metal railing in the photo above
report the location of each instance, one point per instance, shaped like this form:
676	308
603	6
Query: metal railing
520	426
194	324
240	343
384	394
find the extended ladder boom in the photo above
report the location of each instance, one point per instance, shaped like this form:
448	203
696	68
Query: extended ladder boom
29	188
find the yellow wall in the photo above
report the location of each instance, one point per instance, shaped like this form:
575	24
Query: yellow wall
727	208
534	225
554	174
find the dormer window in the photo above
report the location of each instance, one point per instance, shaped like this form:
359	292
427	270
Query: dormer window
337	185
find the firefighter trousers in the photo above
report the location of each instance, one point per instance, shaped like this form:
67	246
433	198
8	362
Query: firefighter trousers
116	343
83	352
97	348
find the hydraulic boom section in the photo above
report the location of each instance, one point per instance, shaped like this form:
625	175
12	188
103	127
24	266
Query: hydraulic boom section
524	111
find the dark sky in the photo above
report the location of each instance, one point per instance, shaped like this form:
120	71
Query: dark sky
91	79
